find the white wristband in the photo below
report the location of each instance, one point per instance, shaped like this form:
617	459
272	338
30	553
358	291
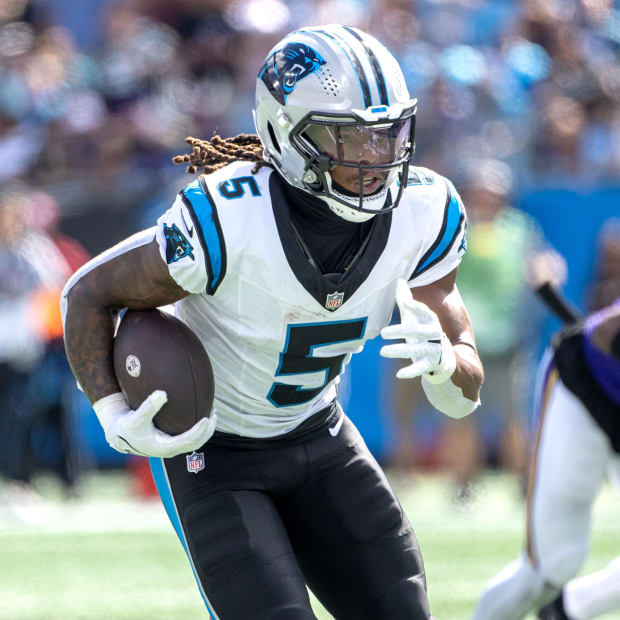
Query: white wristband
109	406
448	398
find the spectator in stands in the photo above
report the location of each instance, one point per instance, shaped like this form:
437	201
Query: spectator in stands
51	380
20	346
606	285
34	373
501	242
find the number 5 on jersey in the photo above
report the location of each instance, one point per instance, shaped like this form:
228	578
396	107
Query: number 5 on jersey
297	357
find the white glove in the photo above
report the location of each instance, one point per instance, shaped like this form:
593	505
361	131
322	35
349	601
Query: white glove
133	432
426	345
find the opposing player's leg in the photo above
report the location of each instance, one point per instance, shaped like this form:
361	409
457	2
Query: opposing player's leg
587	597
569	467
356	548
593	595
235	540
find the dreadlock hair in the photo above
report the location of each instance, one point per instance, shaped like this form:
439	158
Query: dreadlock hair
211	155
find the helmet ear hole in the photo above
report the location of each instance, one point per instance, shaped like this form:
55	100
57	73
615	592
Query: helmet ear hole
272	135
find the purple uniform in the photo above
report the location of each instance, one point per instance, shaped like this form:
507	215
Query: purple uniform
591	375
605	368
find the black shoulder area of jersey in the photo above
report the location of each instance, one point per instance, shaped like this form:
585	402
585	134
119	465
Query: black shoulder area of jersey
570	361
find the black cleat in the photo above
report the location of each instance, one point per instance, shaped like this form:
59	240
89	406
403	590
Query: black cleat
554	610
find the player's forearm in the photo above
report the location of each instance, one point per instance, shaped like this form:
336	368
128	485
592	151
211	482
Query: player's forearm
89	331
131	275
469	374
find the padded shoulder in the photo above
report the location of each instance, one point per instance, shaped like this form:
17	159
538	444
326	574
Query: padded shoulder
436	205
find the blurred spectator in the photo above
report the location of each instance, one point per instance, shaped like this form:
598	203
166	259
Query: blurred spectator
531	83
493	281
20	345
35	425
606	285
51	379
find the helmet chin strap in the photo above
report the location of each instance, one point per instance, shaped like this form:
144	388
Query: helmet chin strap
343	191
352	213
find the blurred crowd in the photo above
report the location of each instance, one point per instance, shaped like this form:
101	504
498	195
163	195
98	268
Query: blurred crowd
97	95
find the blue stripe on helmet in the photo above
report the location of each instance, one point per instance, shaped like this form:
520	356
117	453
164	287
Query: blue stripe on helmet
376	67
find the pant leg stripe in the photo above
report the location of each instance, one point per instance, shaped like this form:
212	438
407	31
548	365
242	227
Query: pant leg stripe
551	374
160	476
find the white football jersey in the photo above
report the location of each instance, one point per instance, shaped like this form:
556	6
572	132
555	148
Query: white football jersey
278	333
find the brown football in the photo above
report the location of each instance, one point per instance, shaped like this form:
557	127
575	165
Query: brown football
156	351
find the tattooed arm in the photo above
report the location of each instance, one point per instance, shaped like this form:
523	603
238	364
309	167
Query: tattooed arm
131	275
136	279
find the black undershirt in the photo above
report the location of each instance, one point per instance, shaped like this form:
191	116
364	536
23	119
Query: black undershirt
333	241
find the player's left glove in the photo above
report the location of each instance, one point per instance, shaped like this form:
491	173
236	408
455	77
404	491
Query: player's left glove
426	345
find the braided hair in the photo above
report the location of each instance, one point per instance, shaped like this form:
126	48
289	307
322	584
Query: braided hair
211	155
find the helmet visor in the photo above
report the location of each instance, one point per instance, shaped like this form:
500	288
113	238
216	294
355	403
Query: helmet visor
356	145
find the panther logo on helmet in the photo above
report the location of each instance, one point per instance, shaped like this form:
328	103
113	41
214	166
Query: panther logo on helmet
284	68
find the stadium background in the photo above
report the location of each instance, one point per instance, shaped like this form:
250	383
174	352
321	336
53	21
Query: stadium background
96	96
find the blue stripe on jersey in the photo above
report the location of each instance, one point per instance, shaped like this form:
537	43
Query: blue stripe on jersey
165	493
451	226
203	212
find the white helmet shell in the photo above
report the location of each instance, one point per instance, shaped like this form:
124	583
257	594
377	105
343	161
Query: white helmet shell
329	75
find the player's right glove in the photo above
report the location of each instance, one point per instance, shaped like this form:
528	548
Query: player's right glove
133	432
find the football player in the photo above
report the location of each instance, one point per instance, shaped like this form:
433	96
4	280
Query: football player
284	256
578	443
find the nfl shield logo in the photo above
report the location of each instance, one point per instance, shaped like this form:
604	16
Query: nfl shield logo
195	462
334	301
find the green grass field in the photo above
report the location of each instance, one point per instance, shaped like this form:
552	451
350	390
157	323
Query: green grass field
109	556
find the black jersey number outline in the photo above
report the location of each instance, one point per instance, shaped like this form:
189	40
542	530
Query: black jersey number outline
297	357
234	188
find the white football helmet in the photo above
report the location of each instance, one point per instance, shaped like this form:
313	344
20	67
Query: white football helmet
331	101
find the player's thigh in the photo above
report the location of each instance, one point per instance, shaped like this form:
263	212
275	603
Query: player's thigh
238	548
569	467
243	558
356	547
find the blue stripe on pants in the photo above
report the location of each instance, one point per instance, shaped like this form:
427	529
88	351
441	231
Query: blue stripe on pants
163	487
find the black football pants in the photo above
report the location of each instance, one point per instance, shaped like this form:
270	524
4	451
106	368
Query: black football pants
260	524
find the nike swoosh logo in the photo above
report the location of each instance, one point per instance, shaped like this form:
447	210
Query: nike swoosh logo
134	449
190	229
334	430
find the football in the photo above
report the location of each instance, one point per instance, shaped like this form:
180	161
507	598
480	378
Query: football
156	351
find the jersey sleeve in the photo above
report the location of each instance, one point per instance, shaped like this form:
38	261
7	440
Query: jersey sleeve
446	243
191	242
